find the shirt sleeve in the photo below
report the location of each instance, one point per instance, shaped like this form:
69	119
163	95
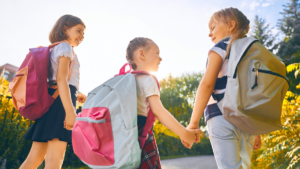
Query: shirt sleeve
62	50
220	49
149	86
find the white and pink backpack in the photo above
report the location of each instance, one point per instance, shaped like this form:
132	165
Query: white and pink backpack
105	134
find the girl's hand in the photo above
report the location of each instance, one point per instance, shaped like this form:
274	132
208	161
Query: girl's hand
69	120
192	126
195	126
190	137
257	143
81	98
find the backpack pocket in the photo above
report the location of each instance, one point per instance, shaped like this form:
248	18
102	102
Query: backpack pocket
18	88
268	72
92	137
265	94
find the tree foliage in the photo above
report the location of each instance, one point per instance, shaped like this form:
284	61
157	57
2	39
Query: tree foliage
13	148
178	97
13	126
289	24
263	33
281	148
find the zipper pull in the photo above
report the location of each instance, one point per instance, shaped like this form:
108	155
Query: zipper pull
256	75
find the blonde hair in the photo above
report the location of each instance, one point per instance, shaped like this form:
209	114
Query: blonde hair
135	44
232	14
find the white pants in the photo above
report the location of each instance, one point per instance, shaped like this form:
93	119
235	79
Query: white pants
232	147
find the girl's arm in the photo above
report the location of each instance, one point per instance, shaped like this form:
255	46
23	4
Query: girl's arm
206	88
189	136
64	91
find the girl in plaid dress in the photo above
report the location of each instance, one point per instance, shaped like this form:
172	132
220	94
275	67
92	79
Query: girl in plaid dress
143	55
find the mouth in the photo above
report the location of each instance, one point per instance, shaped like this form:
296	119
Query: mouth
158	63
78	41
213	39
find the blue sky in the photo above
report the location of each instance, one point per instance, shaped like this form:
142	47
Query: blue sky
179	27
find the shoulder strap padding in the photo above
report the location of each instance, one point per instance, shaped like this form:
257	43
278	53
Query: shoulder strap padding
238	49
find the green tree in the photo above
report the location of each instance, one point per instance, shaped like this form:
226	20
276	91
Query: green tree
263	33
178	96
180	92
289	24
289	48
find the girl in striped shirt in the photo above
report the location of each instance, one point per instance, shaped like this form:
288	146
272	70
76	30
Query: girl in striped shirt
232	147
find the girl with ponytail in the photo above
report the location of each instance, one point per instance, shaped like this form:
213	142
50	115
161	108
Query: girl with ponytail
232	147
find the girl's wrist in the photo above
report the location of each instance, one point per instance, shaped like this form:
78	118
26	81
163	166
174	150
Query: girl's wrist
194	122
68	110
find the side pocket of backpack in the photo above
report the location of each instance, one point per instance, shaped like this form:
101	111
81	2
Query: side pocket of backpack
18	88
92	137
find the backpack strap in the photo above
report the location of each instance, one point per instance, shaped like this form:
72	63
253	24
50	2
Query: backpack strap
56	93
150	118
238	50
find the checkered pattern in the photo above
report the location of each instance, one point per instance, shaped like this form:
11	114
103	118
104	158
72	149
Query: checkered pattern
150	155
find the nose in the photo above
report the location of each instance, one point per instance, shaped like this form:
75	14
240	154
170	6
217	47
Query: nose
160	59
210	34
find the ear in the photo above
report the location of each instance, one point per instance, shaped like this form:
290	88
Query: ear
231	26
65	29
141	54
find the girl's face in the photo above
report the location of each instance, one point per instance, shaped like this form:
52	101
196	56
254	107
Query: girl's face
218	31
152	58
75	35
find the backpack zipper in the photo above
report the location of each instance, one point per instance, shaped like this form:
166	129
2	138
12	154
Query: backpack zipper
267	72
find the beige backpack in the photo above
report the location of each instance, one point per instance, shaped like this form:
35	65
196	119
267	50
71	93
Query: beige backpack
256	87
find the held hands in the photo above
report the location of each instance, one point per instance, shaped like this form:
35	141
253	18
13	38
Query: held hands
193	135
257	143
69	120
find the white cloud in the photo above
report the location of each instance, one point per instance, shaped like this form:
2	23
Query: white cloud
266	4
253	5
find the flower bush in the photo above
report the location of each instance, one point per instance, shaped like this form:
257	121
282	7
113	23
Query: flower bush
12	127
281	148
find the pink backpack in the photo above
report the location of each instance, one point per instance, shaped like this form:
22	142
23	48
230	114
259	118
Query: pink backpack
29	88
105	134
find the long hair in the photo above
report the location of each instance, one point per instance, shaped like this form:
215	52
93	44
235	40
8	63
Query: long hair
64	22
232	14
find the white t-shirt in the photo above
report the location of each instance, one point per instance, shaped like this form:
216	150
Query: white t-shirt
146	86
63	50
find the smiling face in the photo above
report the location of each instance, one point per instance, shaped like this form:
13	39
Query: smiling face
75	35
218	31
152	59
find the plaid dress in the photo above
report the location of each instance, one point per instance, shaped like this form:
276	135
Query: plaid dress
150	154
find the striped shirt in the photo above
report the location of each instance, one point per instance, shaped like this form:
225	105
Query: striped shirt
212	108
